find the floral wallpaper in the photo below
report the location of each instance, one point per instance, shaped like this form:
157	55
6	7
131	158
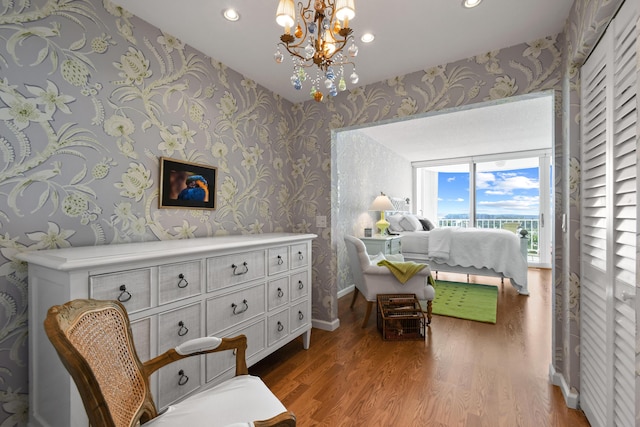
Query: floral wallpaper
91	97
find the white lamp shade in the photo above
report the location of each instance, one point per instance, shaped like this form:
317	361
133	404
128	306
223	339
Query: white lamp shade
381	203
285	15
345	9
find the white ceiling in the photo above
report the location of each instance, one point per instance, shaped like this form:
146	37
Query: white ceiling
504	127
411	35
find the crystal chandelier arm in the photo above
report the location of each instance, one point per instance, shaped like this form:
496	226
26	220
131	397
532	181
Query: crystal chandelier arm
312	65
288	41
340	44
292	52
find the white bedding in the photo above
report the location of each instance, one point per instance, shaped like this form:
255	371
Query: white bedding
495	249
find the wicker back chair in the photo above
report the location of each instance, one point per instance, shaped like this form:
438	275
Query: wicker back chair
94	341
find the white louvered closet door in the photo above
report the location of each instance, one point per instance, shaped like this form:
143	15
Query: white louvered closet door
608	235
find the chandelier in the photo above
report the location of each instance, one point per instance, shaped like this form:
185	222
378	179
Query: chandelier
317	42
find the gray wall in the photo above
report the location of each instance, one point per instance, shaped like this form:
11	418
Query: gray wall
363	168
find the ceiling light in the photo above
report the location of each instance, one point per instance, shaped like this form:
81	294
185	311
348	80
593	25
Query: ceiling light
367	38
321	32
470	3
231	15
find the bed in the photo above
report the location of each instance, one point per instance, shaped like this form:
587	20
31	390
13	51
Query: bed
478	251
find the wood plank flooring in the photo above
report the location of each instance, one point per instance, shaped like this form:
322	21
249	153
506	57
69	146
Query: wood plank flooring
464	374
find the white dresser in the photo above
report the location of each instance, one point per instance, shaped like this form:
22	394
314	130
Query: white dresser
257	285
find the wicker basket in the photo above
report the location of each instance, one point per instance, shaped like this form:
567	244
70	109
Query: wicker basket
400	317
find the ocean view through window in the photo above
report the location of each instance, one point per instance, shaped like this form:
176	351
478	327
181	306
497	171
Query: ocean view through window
499	194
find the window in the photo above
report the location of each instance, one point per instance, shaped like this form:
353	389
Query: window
491	192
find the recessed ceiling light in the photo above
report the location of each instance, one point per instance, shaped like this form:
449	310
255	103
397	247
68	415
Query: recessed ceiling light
231	15
367	38
470	3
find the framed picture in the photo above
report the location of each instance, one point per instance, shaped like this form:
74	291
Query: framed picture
187	185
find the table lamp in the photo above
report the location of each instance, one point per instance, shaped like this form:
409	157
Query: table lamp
381	203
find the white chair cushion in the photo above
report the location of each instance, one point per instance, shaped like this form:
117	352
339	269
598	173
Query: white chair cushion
375	259
235	402
395	257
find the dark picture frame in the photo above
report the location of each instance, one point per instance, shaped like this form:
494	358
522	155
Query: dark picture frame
186	185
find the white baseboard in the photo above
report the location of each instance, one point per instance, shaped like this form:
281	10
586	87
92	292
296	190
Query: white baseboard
332	326
346	291
571	396
326	326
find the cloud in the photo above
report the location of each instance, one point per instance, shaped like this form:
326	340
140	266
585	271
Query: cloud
484	180
504	184
453	178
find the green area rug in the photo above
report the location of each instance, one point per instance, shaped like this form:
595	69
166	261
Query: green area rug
465	301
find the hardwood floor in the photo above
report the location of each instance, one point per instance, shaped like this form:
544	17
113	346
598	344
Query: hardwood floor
465	373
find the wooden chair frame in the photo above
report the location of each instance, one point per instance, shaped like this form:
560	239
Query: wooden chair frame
61	321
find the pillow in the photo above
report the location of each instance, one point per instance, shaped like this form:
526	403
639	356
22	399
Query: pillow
394	222
410	223
426	224
375	259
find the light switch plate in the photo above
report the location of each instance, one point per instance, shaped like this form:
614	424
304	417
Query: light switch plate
321	221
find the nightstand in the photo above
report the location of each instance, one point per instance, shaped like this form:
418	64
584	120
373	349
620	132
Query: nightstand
388	245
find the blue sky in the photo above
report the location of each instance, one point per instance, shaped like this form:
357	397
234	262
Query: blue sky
501	192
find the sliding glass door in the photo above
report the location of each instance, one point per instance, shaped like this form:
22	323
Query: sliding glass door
491	192
443	194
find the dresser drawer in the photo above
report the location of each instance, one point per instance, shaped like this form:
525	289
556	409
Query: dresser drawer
229	310
178	379
278	260
277	293
219	363
132	288
141	331
277	327
300	316
234	269
178	326
299	285
178	281
299	255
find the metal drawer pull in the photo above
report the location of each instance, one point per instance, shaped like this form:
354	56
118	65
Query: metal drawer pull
280	326
280	260
245	308
183	329
300	315
183	378
183	282
300	256
280	293
300	284
240	273
124	295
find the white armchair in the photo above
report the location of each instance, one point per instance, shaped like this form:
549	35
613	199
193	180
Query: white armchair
371	279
